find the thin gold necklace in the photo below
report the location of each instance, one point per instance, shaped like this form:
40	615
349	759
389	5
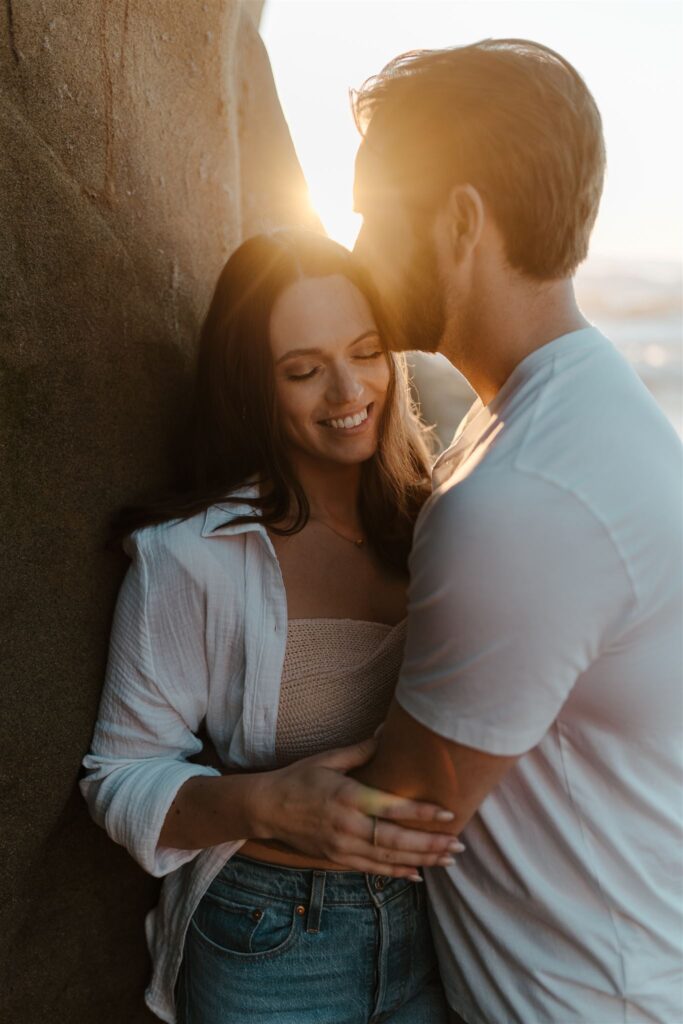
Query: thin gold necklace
357	541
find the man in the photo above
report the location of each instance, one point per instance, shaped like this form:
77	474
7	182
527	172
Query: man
540	692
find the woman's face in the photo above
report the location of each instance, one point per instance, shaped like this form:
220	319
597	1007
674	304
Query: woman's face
331	373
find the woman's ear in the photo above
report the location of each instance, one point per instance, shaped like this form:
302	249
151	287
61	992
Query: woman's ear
465	217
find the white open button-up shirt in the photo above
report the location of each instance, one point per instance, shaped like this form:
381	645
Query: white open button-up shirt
199	634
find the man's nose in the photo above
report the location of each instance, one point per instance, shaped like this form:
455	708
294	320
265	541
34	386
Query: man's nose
344	385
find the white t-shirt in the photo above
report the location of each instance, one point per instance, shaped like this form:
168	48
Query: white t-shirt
545	621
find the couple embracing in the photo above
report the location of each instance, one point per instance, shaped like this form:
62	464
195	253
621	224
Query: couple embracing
506	848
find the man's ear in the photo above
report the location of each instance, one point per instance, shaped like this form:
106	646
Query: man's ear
465	215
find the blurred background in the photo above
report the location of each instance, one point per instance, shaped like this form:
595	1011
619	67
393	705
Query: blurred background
629	54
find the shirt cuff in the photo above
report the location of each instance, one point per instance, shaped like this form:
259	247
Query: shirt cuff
131	799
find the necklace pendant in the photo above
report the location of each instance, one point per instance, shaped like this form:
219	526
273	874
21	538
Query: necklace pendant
357	541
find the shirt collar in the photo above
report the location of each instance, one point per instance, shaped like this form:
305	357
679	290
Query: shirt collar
575	341
219	518
482	418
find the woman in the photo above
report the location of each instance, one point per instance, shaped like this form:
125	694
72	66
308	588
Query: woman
268	604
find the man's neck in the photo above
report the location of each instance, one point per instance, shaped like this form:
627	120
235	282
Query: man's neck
504	332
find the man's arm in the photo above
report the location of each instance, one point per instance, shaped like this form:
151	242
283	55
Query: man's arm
415	762
513	586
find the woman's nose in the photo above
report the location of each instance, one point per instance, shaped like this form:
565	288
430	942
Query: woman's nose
344	385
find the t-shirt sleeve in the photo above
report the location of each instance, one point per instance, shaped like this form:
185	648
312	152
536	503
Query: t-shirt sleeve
515	589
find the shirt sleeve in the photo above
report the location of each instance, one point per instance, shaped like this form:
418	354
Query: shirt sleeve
515	589
153	701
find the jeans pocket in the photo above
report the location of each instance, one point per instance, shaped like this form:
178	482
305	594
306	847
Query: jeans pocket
235	922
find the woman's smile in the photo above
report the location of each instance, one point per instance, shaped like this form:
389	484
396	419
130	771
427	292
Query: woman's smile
351	423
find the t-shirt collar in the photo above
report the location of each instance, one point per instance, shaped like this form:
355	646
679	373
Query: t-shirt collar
481	417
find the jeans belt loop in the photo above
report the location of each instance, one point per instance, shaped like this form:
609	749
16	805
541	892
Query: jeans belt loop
315	906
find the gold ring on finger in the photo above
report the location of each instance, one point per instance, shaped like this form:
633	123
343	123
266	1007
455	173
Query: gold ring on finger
374	830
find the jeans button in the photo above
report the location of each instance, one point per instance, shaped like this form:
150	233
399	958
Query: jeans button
379	883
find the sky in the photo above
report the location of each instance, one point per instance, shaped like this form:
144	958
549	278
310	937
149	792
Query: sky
629	53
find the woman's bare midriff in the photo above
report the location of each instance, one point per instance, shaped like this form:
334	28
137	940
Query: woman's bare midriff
278	853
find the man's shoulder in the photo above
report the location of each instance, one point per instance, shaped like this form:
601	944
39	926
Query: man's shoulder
594	417
495	494
584	436
506	521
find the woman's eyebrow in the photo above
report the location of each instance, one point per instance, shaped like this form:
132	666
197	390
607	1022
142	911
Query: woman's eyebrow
373	332
298	352
318	351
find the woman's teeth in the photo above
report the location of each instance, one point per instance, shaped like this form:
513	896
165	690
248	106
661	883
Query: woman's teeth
348	421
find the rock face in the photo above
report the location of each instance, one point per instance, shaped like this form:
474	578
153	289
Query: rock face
140	143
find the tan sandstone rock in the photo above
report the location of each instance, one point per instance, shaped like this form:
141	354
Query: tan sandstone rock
140	142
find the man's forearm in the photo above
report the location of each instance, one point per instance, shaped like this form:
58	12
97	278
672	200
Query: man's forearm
413	761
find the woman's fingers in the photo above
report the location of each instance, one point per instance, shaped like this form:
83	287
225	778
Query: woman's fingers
389	805
383	858
322	812
376	860
396	839
353	836
398	808
384	861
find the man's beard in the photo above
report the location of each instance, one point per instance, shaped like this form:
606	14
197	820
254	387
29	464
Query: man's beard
419	312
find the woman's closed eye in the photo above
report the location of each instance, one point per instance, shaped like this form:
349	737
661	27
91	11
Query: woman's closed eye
374	354
302	374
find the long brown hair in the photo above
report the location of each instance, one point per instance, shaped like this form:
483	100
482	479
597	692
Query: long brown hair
235	435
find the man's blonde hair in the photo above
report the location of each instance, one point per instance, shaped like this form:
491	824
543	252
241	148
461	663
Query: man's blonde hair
508	116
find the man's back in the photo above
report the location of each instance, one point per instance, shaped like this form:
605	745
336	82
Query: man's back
545	622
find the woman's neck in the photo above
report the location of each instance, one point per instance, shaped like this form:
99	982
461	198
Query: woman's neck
332	488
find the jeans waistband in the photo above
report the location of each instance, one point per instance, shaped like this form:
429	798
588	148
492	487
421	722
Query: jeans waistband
312	887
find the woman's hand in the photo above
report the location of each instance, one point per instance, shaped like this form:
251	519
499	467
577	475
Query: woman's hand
314	807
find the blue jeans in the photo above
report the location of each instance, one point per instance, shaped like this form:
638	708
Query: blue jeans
274	945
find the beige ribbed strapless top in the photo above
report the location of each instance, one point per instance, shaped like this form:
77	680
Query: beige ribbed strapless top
338	679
